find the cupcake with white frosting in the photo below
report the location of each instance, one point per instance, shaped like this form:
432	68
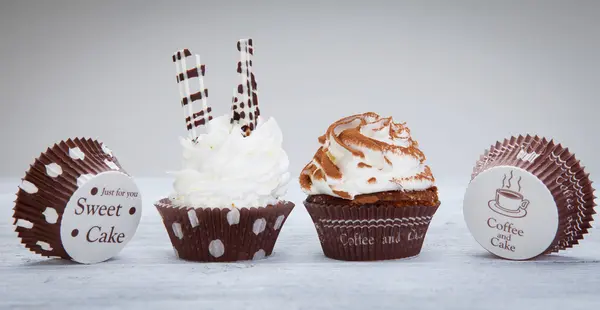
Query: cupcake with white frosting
227	200
370	193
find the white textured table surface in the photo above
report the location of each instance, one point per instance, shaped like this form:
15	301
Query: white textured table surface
452	272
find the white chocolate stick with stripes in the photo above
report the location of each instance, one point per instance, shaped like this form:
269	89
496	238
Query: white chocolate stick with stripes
195	115
245	100
253	85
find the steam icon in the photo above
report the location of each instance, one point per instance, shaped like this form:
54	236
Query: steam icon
509	202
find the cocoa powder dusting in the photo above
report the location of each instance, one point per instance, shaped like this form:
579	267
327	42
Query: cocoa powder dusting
319	175
363	165
322	139
425	175
305	181
305	176
352	136
342	194
348	148
330	169
387	160
346	133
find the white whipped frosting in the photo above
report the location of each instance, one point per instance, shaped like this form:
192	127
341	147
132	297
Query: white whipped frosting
225	169
365	154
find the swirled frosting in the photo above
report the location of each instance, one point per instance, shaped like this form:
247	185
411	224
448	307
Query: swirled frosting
364	154
224	169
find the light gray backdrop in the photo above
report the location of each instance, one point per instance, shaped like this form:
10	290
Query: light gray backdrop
462	74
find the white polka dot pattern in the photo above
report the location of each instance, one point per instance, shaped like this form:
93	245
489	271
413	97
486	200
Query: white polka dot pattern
216	248
65	166
193	218
51	215
259	226
177	230
106	150
233	217
82	179
76	154
111	165
260	254
44	245
24	223
279	222
28	187
53	170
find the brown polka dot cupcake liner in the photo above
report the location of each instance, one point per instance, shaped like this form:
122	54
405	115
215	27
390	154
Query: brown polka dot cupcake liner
223	234
560	171
47	189
370	233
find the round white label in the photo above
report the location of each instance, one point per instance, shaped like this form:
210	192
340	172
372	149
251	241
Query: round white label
511	213
101	217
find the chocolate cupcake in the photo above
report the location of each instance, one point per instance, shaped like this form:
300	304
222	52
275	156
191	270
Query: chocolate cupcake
528	196
76	202
370	195
227	202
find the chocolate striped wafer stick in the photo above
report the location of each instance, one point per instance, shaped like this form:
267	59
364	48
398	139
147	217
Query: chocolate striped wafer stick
245	100
195	115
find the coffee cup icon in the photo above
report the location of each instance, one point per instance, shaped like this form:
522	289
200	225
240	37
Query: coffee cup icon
509	203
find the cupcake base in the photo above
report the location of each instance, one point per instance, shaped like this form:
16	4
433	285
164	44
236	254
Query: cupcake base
223	235
370	232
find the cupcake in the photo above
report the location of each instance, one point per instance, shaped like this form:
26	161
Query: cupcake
528	196
370	194
226	204
76	202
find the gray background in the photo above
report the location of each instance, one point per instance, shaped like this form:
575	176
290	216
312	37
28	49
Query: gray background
462	74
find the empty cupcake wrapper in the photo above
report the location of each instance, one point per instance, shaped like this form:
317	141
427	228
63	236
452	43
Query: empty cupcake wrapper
558	169
45	191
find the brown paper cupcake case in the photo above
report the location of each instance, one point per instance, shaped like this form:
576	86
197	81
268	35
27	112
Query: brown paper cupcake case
49	184
373	232
223	234
562	174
